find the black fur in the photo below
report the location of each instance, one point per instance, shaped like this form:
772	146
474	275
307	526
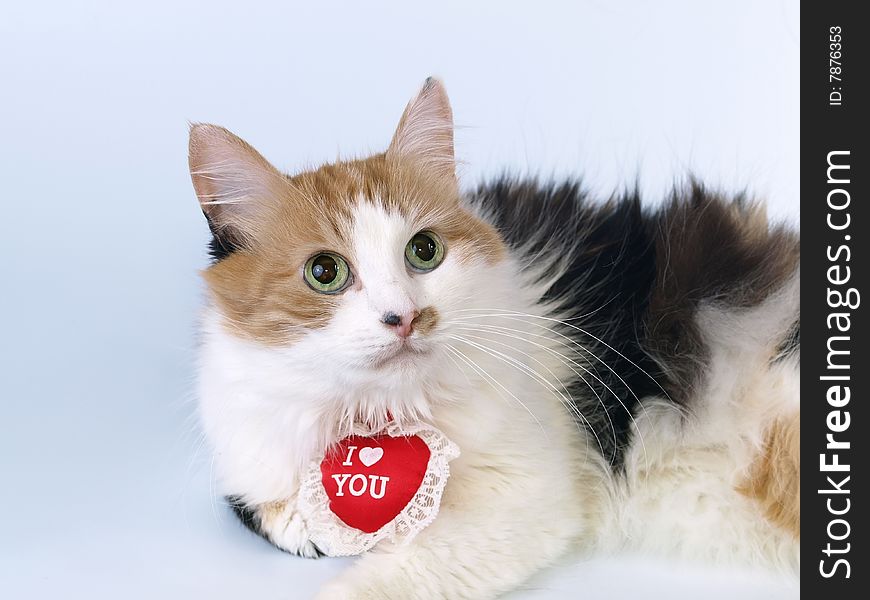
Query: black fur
246	515
609	275
221	244
634	280
791	345
715	250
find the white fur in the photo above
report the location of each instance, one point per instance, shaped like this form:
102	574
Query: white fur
529	485
680	497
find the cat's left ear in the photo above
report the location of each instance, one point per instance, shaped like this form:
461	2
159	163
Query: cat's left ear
425	131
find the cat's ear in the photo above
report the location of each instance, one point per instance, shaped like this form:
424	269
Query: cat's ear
425	131
237	188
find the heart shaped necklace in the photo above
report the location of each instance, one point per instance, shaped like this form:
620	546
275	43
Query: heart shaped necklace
375	485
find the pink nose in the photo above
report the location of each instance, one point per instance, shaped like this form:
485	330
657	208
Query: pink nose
403	325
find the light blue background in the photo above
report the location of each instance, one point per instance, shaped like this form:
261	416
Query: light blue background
105	491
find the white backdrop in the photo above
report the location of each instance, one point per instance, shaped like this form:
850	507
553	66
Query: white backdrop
106	492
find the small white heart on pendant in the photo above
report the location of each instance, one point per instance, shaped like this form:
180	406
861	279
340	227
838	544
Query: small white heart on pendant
369	456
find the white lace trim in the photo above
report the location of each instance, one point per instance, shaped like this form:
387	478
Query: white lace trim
335	538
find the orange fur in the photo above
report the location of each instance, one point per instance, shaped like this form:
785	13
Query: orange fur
426	320
774	479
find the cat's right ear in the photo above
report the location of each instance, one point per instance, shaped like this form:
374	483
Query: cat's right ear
237	188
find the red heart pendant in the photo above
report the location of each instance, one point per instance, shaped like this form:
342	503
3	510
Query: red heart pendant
369	480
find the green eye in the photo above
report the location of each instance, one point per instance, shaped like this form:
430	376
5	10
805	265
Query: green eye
326	273
424	252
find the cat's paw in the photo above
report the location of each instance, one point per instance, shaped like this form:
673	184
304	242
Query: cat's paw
288	531
279	523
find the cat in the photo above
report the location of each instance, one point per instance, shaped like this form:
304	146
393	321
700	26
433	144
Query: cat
617	377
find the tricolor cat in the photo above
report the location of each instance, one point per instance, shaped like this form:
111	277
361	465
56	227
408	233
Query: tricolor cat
614	377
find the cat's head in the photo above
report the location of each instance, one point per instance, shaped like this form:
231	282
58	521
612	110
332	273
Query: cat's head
347	277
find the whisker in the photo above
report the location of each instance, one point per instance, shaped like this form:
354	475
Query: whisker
481	371
567	362
534	375
458	366
516	316
512	315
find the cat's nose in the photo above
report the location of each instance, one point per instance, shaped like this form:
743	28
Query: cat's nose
402	324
